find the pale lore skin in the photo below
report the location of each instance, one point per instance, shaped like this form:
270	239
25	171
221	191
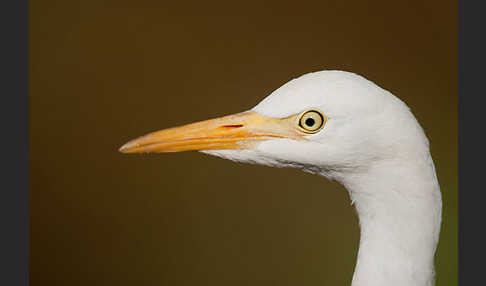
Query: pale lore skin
359	135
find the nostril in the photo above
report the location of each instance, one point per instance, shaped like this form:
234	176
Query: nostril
233	126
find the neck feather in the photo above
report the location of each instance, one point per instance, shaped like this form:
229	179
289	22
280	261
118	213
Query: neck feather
399	207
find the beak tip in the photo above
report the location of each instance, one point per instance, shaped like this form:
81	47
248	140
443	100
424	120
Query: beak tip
125	148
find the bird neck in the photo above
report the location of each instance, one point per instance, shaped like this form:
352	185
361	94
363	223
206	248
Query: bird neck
399	207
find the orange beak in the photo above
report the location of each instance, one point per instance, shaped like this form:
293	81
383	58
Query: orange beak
239	131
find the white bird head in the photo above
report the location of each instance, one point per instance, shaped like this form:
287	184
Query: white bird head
328	122
344	127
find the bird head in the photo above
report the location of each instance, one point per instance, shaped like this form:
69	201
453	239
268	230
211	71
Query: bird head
327	122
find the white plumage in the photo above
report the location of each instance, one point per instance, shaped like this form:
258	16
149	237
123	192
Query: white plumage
370	143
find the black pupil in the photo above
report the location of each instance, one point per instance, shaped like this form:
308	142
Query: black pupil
310	122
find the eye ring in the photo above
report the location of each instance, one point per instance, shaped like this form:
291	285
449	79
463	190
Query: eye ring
312	121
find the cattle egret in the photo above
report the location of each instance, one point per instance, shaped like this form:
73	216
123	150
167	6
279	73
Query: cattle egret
346	128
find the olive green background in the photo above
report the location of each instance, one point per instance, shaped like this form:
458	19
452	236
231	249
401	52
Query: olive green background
104	72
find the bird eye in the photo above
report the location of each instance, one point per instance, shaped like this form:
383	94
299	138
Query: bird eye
311	121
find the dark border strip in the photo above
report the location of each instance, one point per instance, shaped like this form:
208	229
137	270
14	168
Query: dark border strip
14	117
472	204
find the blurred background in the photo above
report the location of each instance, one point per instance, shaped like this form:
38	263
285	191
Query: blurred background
104	72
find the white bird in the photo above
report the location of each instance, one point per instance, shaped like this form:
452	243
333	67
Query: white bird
346	128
